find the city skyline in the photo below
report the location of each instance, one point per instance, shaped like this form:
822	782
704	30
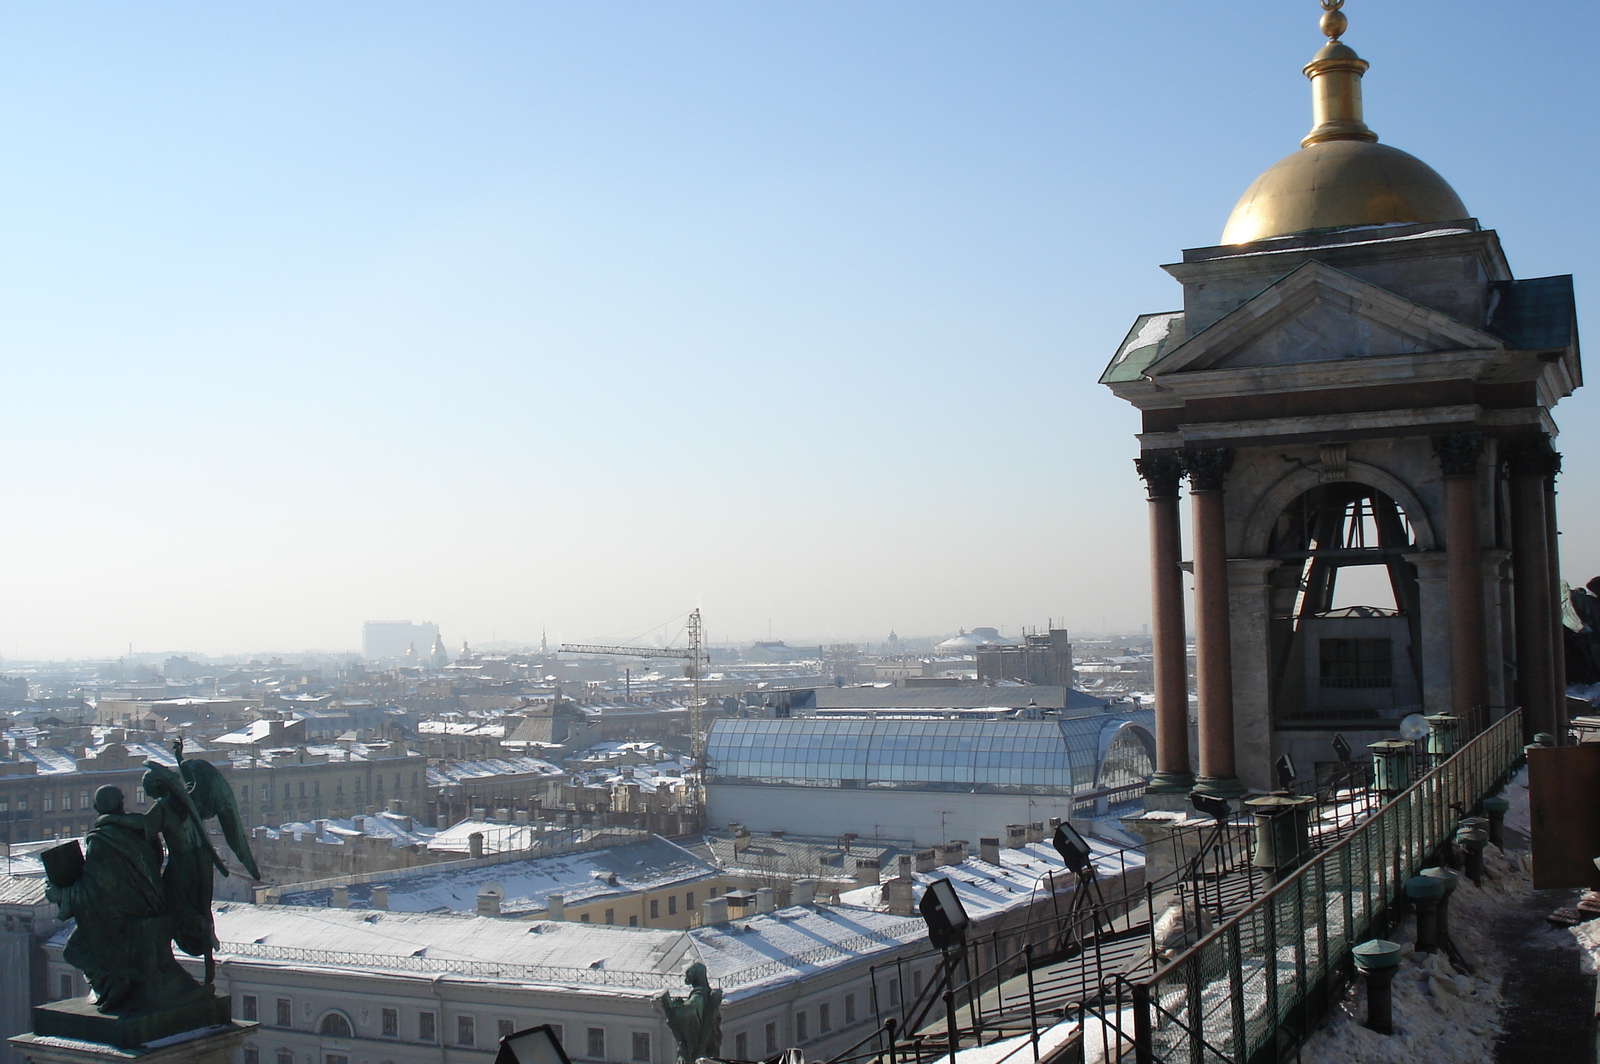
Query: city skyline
516	316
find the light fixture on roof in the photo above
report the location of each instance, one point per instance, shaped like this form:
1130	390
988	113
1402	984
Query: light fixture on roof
536	1045
944	914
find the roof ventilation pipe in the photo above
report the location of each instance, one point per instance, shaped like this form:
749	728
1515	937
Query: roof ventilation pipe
380	897
555	907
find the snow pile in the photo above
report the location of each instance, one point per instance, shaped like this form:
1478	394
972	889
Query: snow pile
1441	1013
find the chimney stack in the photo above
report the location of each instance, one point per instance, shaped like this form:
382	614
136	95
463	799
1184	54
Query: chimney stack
380	897
927	860
488	902
866	871
475	843
341	897
989	850
396	806
803	892
1016	836
555	907
764	900
714	911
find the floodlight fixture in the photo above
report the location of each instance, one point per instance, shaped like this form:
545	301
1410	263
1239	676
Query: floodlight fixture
1072	848
1286	772
535	1045
944	914
1210	806
1341	747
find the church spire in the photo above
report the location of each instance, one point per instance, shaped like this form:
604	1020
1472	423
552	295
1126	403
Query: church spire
1335	74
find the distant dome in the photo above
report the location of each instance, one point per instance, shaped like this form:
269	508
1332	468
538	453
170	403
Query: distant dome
1341	183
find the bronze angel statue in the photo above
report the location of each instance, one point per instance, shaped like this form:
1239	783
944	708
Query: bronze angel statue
145	883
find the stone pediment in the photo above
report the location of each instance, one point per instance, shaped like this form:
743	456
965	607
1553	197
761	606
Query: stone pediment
1320	314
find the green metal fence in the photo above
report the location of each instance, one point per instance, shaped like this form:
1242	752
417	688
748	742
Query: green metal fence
1250	991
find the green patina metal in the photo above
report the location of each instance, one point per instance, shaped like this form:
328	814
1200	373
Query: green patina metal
696	1020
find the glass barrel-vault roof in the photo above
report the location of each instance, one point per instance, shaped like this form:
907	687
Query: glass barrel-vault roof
1039	755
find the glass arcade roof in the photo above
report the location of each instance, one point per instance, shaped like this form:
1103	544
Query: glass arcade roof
1052	756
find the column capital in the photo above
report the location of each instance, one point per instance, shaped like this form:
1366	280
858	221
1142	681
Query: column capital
1206	467
1458	452
1161	474
1530	455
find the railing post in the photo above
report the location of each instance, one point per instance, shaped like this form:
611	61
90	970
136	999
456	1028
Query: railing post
1033	1005
1144	1051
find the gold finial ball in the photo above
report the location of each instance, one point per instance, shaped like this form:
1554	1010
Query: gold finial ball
1334	21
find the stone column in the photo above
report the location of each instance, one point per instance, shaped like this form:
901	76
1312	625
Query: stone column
1458	457
1206	470
1558	648
1433	592
1528	461
1169	642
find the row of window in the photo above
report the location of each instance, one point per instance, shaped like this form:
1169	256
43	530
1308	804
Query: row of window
594	1044
803	1031
316	787
337	1025
49	801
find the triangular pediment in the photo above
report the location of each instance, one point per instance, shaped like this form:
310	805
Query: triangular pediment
1320	314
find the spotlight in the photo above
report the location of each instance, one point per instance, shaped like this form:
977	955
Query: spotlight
1072	848
536	1045
1341	747
1286	773
1212	807
943	913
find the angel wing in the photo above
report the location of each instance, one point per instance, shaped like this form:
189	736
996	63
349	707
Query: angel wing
211	796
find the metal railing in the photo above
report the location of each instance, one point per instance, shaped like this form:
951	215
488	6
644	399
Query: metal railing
1252	989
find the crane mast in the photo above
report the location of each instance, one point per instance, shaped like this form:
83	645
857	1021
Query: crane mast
694	653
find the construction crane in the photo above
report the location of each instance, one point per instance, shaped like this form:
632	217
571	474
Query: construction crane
694	653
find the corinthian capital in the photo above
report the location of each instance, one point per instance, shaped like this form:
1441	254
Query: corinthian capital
1161	474
1458	452
1207	467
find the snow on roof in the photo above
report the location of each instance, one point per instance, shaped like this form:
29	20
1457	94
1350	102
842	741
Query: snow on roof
525	886
22	890
1018	879
442	774
454	727
256	731
745	955
625	960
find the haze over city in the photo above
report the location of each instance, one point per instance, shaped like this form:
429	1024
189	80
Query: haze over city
532	317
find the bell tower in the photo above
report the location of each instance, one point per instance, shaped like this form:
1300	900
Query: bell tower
1358	396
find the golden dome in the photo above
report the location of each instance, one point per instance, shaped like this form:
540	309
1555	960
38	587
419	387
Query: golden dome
1340	176
1338	183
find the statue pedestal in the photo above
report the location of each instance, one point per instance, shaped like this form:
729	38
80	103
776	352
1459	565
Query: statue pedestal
215	1044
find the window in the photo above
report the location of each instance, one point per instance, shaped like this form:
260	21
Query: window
252	1055
849	1009
772	1038
466	1031
611	916
560	1033
688	900
286	792
655	909
391	1023
597	1043
66	801
83	800
641	1045
335	1058
741	1045
712	893
583	919
248	1007
335	1025
316	787
285	1013
672	905
633	921
285	1056
5	805
425	1028
302	788
49	803
506	1028
22	802
1356	663
801	1027
66	986
894	991
824	1018
916	981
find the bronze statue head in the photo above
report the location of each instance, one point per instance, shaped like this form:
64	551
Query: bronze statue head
108	800
697	977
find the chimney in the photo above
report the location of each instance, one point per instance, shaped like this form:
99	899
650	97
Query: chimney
1016	836
488	902
442	822
479	813
989	850
741	841
359	822
927	860
341	897
764	900
897	895
903	867
1055	822
396	806
803	892
380	897
1036	831
866	872
475	843
503	815
555	907
522	816
953	852
713	911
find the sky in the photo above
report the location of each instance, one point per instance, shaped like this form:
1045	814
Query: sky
549	317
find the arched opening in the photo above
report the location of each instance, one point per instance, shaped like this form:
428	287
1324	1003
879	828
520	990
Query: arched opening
335	1025
1346	624
1128	760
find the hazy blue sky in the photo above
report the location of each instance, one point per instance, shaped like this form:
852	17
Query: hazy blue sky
506	315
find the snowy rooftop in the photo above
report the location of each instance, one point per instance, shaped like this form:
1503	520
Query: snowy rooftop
526	885
256	731
399	829
443	774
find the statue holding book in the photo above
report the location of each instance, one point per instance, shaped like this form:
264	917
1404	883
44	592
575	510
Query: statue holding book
143	883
